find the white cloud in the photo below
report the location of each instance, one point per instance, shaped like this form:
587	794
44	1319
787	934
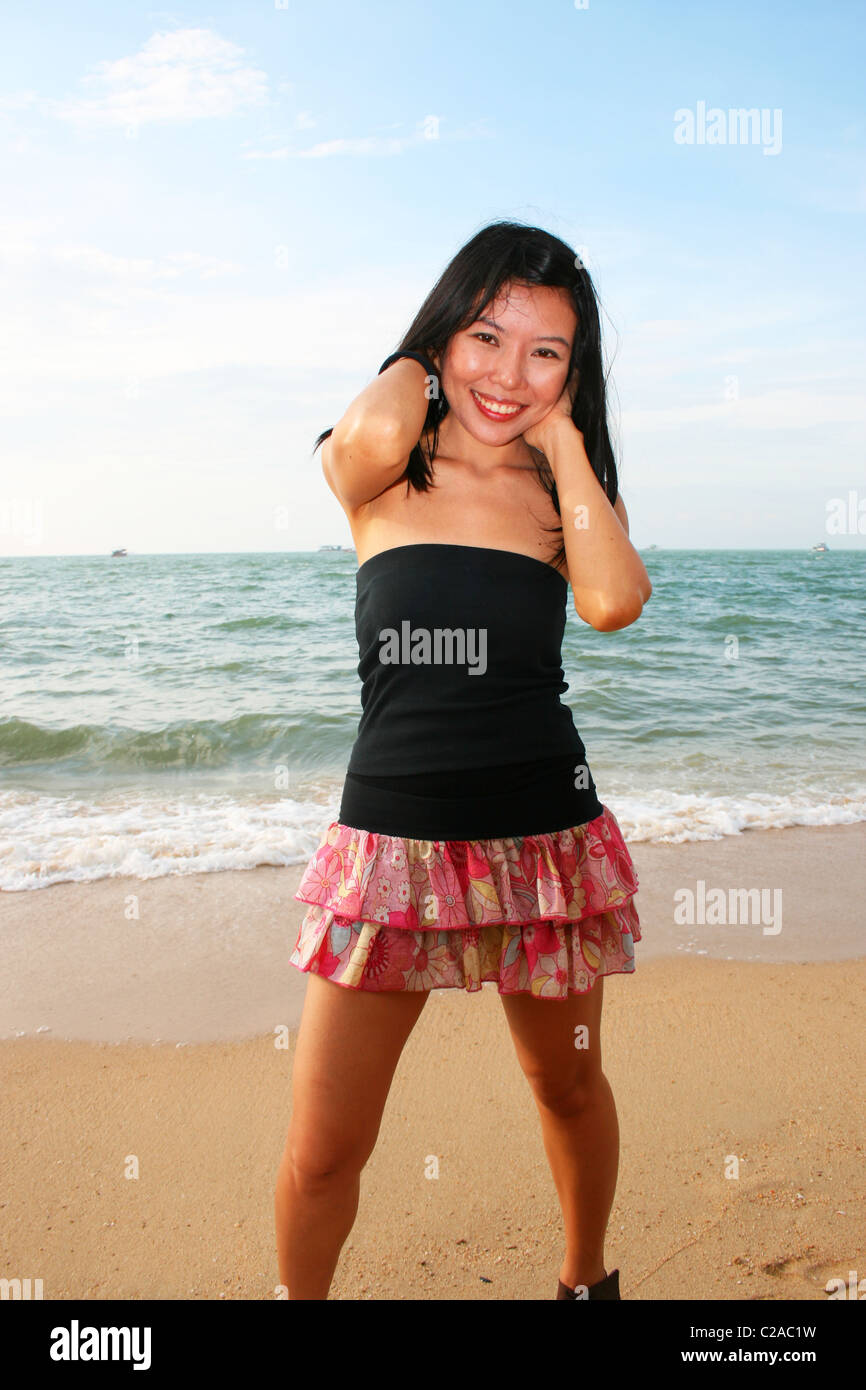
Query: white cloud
355	145
77	314
22	248
188	74
363	145
169	267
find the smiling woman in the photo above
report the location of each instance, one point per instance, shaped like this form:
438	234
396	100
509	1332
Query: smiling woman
496	406
471	845
513	355
478	313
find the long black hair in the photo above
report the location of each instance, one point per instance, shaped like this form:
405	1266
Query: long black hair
502	252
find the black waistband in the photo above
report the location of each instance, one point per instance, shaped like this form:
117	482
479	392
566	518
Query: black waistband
533	798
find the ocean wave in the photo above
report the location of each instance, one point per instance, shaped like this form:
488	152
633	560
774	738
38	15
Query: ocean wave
187	744
665	817
49	839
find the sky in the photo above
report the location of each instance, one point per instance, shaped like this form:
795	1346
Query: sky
217	221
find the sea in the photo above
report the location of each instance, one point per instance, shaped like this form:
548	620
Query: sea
186	714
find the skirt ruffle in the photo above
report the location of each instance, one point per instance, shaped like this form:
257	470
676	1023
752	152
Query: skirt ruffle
536	914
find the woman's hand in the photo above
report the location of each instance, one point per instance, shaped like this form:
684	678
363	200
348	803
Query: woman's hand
559	413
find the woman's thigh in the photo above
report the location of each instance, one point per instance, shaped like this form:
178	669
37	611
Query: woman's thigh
557	1041
348	1046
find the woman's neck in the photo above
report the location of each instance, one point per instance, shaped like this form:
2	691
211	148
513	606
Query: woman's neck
455	442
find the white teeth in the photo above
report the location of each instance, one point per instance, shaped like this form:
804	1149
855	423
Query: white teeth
497	409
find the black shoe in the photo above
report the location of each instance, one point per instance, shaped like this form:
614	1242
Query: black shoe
608	1287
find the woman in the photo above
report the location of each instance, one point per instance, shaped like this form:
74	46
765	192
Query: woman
470	845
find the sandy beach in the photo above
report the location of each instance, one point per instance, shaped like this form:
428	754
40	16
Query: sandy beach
160	1046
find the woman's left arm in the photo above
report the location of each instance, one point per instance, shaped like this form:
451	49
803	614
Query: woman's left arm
608	579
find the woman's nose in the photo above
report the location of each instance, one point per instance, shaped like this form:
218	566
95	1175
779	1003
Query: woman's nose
509	372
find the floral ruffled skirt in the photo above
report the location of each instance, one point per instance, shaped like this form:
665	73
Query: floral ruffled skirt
535	914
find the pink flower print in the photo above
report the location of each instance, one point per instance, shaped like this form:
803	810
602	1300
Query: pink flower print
529	851
367	844
476	860
428	968
397	856
594	893
407	919
322	876
443	908
390	960
568	857
575	900
511	850
596	848
444	903
558	975
484	900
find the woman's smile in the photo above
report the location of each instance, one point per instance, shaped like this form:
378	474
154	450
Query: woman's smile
494	409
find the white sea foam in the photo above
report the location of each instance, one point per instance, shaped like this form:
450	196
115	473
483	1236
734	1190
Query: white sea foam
666	817
46	840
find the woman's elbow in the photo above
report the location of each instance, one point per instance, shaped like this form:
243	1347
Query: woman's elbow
613	617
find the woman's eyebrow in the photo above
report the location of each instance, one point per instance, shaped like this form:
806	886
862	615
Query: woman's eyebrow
551	338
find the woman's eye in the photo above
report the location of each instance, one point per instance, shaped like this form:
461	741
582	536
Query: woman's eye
549	351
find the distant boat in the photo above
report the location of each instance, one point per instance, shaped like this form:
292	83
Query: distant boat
117	552
821	546
652	547
330	547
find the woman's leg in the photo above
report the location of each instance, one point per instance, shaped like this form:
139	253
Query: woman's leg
348	1046
578	1117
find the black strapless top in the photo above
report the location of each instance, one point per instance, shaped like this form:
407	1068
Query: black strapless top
462	725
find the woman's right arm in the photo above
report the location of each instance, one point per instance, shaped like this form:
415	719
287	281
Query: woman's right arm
370	446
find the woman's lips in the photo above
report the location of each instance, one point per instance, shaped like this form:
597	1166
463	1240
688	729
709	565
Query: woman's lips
490	413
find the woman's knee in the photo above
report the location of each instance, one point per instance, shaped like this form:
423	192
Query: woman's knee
340	1088
567	1096
311	1165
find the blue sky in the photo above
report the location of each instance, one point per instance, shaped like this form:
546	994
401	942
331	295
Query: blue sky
217	221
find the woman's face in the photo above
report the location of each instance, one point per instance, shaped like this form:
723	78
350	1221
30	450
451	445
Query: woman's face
508	369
